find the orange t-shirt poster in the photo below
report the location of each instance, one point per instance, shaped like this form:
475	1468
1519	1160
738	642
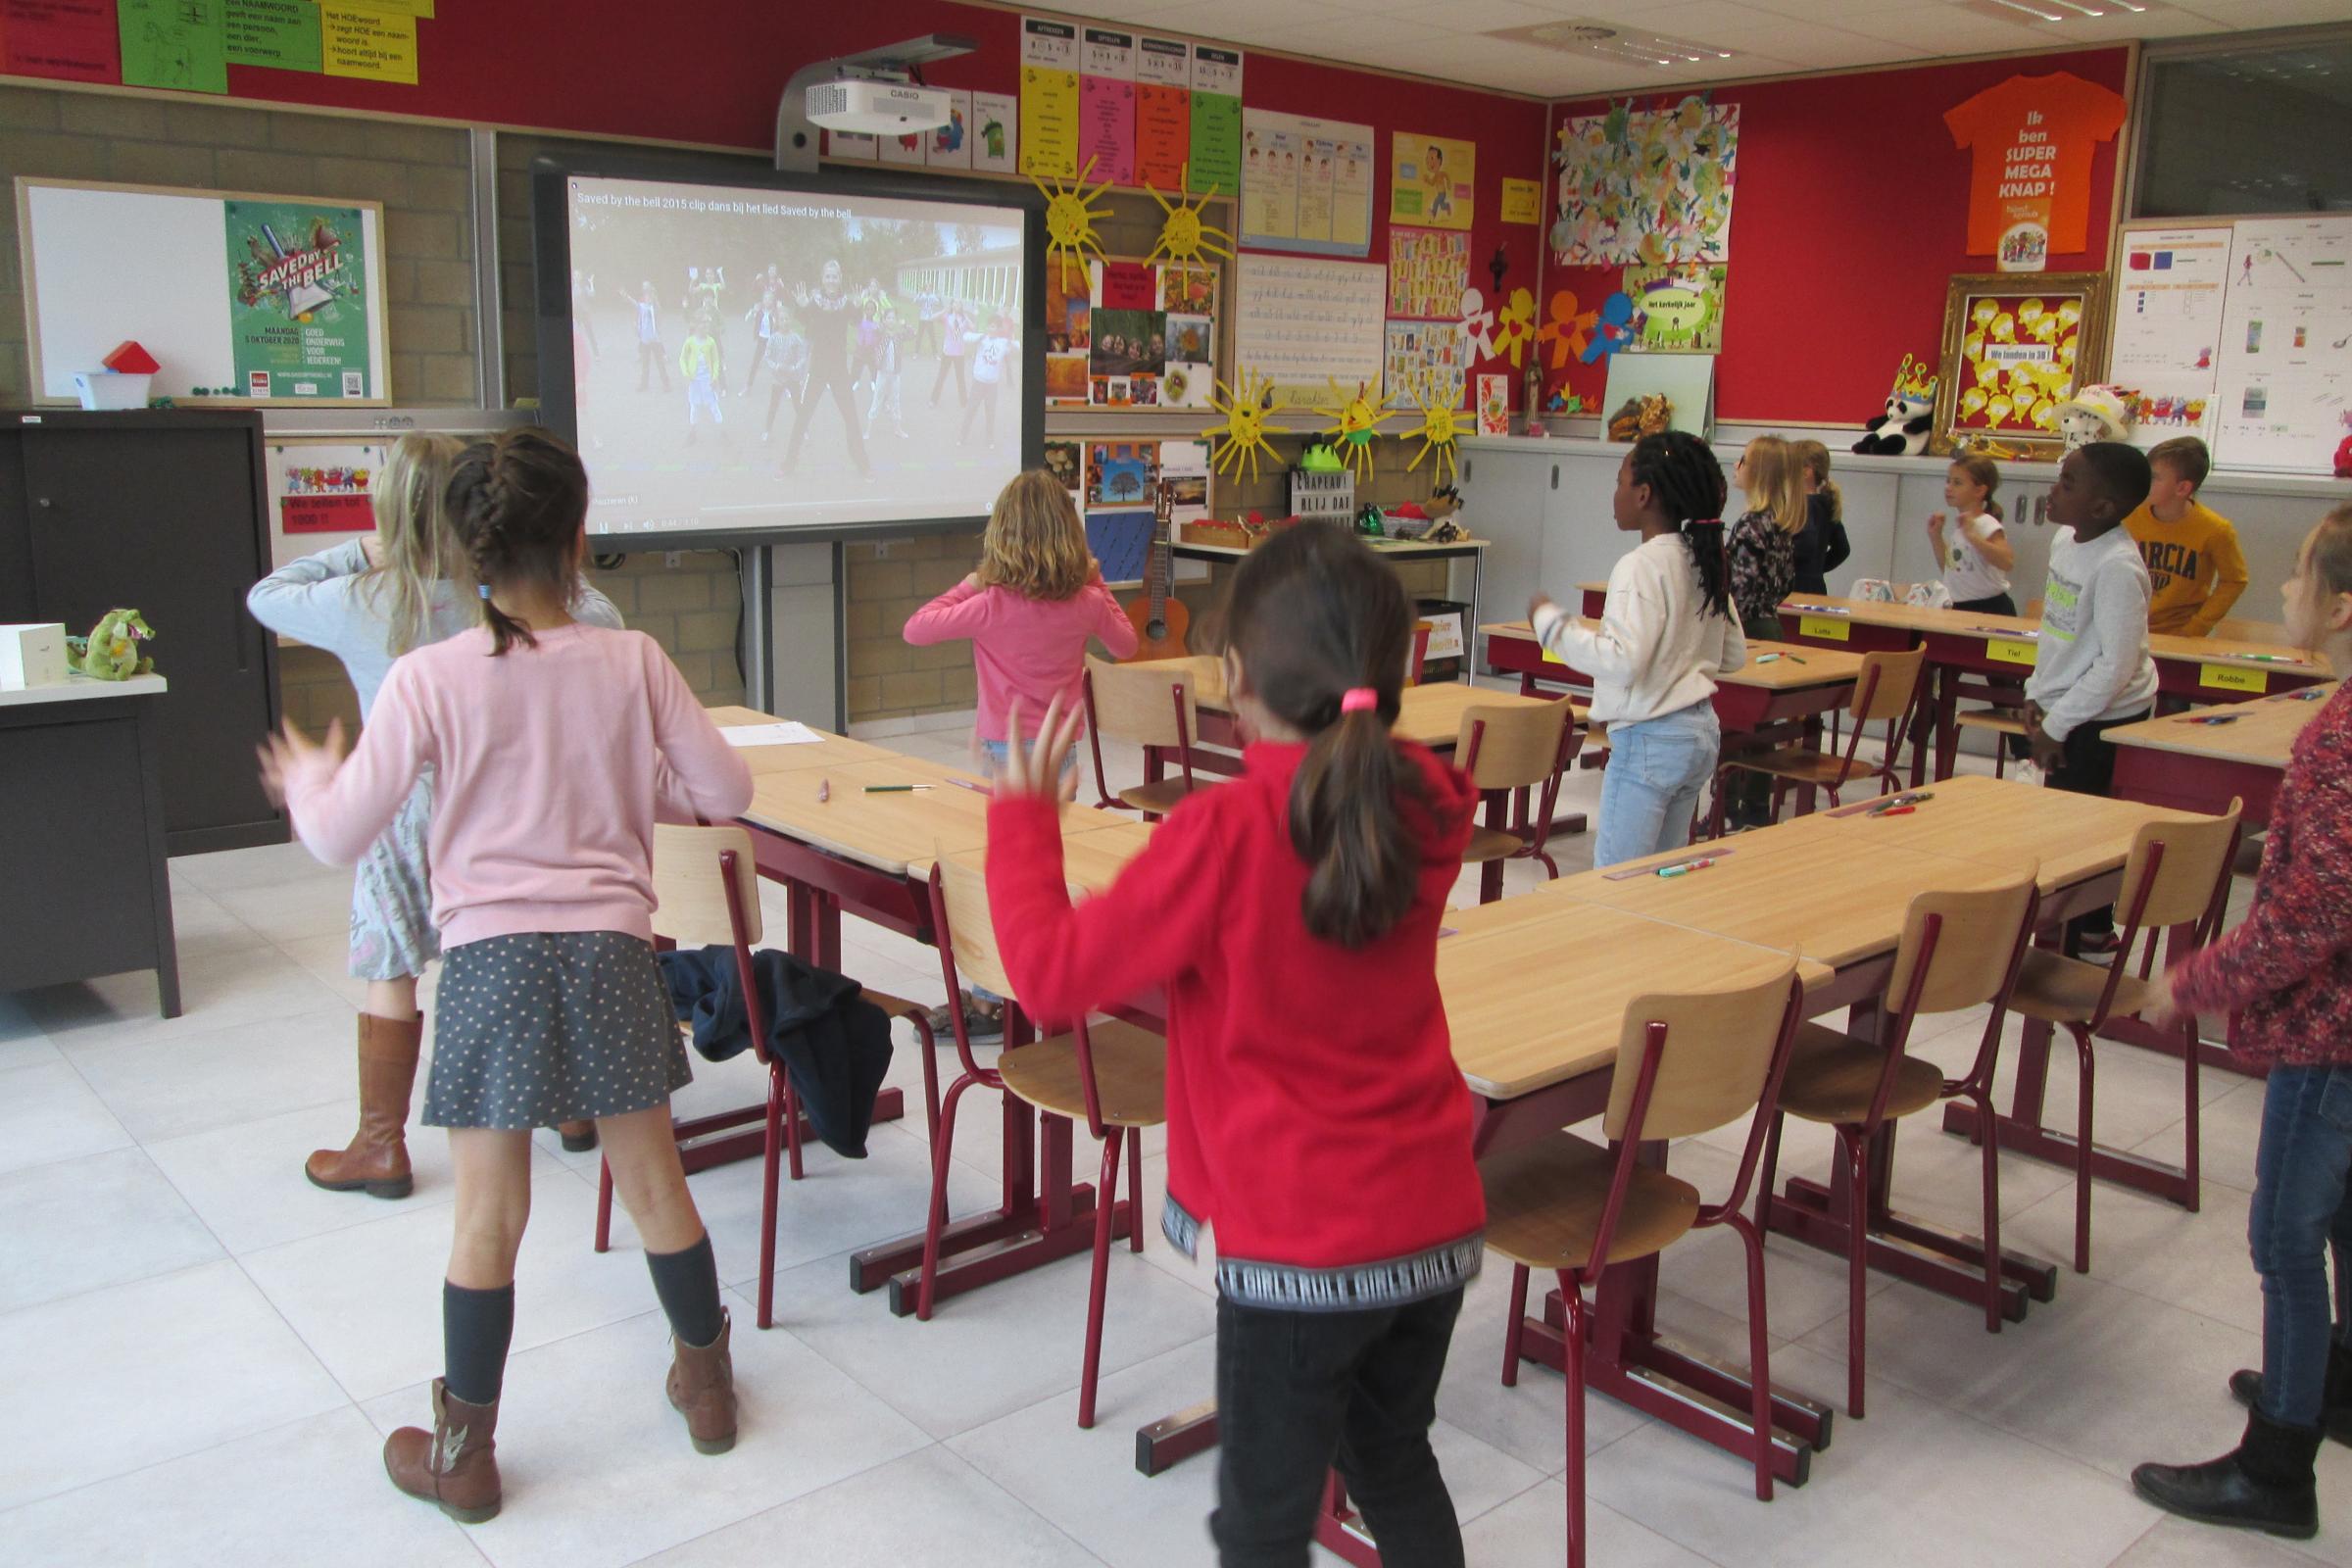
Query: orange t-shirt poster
2030	185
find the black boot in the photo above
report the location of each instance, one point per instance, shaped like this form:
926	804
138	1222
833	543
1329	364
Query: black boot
2335	1406
2266	1484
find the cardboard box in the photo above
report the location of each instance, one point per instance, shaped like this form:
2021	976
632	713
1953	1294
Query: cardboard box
33	654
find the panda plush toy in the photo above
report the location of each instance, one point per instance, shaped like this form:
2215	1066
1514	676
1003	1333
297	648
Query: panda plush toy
1902	431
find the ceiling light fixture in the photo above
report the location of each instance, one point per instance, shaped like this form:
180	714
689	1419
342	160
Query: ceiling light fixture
1604	41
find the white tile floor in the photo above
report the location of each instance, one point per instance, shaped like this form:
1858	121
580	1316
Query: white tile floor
201	1351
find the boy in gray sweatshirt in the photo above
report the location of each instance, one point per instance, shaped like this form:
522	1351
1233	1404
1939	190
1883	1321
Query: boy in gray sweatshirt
2091	670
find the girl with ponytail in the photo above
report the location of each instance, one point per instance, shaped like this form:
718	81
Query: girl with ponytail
1315	1116
1666	633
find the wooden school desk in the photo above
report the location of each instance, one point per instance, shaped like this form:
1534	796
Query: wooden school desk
1781	683
2180	760
826	749
853	850
1536	992
1400	551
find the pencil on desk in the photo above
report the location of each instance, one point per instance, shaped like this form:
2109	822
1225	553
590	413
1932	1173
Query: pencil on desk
894	789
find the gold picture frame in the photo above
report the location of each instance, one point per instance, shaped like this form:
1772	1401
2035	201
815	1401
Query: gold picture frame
2015	346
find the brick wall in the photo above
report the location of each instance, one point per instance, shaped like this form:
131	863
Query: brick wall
417	172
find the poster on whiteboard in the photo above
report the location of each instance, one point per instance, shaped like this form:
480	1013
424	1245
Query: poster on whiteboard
297	300
2165	344
2285	388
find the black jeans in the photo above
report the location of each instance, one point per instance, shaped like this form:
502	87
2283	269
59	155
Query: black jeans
2086	766
1997	604
1747	797
1298	1391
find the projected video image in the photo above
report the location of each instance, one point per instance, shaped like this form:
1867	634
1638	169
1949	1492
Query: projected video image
749	359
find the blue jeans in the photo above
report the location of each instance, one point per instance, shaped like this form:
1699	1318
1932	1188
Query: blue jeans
2299	1213
997	751
1656	769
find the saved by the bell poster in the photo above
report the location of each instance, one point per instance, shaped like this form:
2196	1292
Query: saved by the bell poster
297	300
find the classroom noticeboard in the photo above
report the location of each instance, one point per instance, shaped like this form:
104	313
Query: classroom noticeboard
1308	325
2163	338
242	299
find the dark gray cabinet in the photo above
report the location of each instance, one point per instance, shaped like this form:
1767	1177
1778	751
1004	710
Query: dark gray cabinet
166	510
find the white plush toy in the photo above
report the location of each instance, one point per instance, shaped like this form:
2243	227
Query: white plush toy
1902	431
2101	413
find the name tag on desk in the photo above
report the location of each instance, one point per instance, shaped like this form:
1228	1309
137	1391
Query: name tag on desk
2230	678
2009	650
1829	629
1550	658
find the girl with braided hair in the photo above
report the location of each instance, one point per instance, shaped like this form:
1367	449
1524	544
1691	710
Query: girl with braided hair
550	741
1666	633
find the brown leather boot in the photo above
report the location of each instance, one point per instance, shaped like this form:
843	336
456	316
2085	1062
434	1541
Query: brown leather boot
454	1466
578	1137
701	1385
377	1158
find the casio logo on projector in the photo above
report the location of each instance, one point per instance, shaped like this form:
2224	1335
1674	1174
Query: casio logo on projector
876	108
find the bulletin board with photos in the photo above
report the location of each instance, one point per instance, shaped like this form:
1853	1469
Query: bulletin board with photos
1122	333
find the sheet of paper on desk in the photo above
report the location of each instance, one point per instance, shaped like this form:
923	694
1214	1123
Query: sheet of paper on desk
790	732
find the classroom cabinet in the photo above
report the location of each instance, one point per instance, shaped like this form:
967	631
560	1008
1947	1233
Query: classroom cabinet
1503	496
164	510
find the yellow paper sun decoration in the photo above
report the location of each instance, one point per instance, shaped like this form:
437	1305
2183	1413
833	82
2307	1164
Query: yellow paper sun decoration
1355	422
1070	217
1437	435
1242	436
1184	238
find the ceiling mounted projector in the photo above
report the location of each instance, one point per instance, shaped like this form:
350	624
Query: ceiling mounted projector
876	108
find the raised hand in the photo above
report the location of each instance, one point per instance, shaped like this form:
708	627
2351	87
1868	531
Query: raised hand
288	749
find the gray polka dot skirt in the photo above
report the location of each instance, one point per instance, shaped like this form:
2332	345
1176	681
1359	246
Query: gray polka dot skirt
549	1026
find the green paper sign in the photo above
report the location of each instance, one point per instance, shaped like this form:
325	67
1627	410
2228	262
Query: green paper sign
297	300
1677	307
280	33
1216	143
178	44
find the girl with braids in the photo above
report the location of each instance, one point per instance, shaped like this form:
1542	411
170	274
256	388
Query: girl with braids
367	601
1666	633
1315	1116
549	740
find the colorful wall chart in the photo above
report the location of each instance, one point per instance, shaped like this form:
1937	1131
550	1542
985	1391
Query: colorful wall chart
2165	338
1433	180
1139	336
1163	112
1216	118
1428	362
1049	99
1305	323
1678	309
2285	389
1428	270
1306	184
1638	188
1107	105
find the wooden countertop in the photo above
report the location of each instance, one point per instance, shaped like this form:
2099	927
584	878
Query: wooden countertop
831	750
1387	547
83	688
1091	858
1792	666
1967	622
2260	732
1536	989
886	831
2000	822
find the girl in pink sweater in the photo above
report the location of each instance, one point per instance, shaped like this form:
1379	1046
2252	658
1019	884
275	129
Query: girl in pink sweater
550	740
1029	611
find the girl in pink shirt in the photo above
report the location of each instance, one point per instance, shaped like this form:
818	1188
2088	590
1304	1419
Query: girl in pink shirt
1029	611
550	741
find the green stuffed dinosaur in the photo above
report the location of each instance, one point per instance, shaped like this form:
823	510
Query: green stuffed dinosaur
111	652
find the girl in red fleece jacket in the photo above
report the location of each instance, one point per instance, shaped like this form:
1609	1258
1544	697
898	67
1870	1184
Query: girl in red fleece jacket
1315	1116
2285	972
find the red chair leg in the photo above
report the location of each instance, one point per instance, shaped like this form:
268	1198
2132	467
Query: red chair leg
1767	1175
2191	1155
1514	1331
604	1206
1105	1191
1135	1188
792	1121
1857	1253
1574	1346
2088	1065
1489	881
935	1217
771	1146
1759	1358
1991	1141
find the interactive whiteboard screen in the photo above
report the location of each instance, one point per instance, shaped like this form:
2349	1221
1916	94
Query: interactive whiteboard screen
751	358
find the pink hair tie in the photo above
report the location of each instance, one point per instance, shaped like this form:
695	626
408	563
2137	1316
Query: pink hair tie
1360	698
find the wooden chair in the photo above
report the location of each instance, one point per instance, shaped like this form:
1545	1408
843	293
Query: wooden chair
1958	949
1113	1076
1147	705
706	893
1509	751
1884	693
2177	875
1685	1063
2005	717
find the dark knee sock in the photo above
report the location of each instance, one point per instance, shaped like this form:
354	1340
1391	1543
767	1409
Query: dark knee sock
476	1326
687	1281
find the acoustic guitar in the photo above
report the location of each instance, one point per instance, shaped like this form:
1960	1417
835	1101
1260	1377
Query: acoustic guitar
1162	619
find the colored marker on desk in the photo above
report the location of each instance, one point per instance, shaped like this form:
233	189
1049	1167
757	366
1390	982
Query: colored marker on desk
1685	868
894	789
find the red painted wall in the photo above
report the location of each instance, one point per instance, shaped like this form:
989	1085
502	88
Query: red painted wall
1852	212
619	67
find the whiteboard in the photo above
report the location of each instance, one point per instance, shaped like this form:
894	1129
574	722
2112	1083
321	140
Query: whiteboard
2285	389
2163	340
106	263
1307	324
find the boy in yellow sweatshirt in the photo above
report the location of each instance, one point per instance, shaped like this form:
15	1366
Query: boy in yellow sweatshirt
2194	565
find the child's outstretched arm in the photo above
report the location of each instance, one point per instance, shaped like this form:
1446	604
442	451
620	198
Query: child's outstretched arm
705	776
964	610
290	601
338	810
1631	629
1146	928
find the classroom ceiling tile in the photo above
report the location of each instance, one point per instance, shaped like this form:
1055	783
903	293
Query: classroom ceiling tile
2240	16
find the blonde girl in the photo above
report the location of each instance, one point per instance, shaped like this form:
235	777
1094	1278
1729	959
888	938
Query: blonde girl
367	601
1976	565
1762	545
1822	547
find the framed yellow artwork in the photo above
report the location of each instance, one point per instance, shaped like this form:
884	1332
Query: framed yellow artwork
2015	347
